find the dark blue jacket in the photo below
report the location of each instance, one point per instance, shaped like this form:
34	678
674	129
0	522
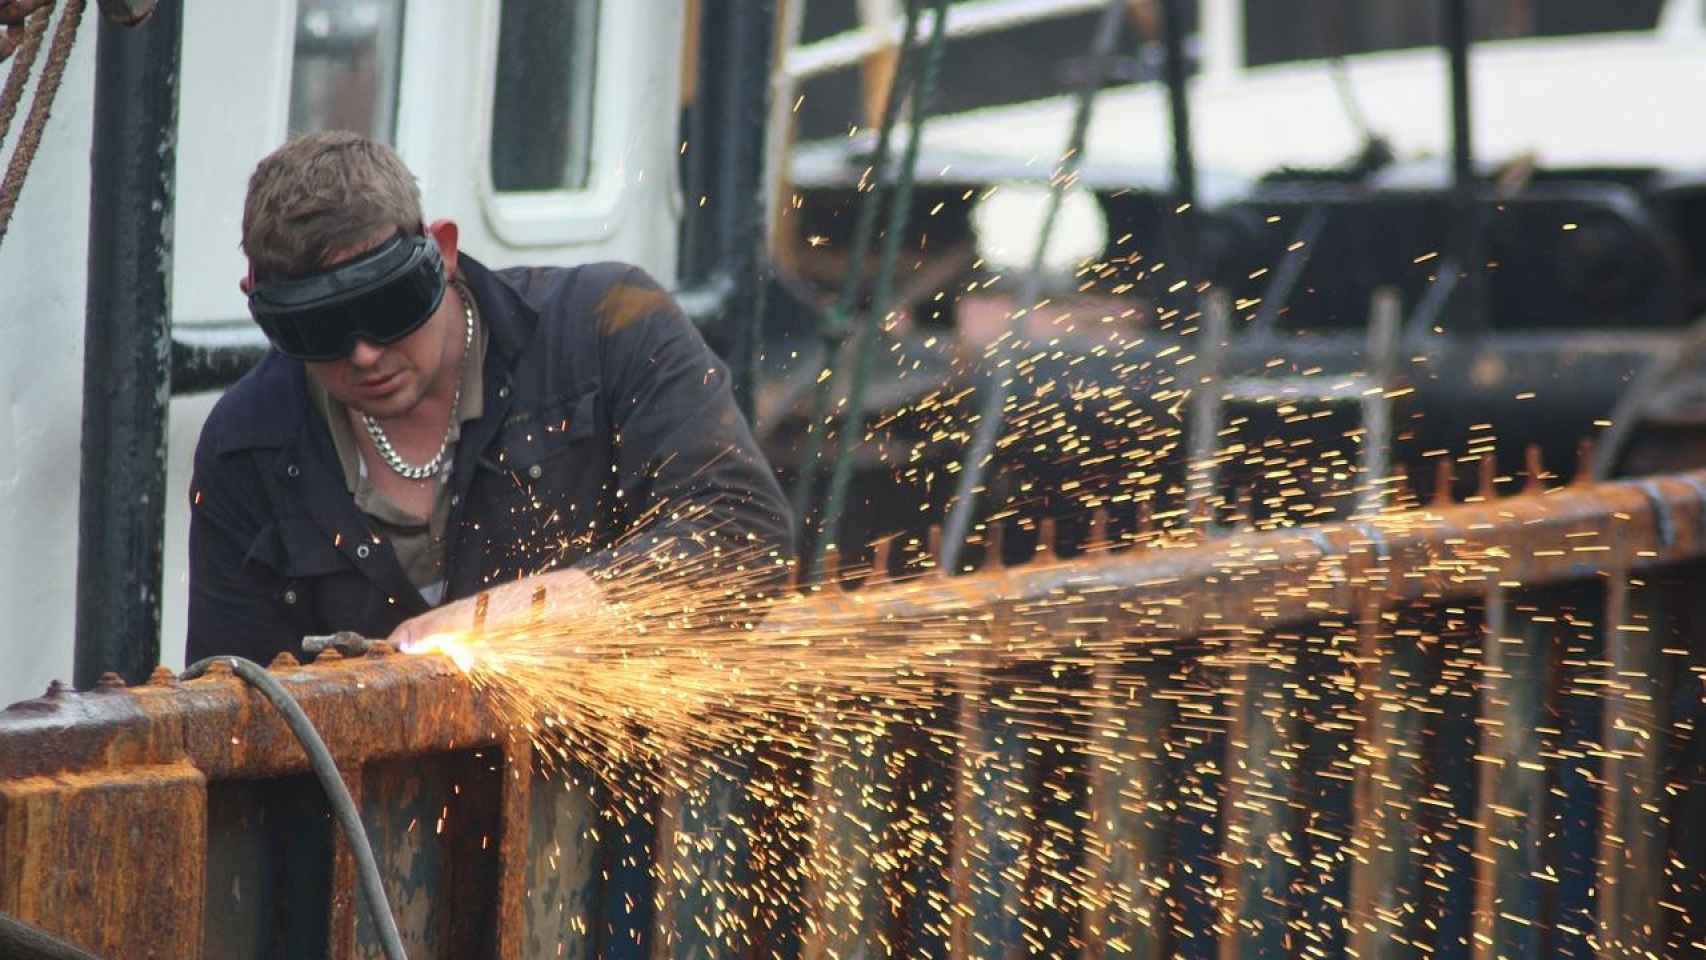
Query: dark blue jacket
602	404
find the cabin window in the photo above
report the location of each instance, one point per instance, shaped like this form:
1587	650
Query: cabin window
542	111
1016	64
343	75
1282	31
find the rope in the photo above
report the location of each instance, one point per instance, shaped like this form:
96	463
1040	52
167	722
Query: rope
32	31
337	794
24	152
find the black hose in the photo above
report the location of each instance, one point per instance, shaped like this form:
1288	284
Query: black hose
20	941
372	891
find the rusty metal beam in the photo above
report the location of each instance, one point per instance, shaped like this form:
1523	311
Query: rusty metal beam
1639	618
129	769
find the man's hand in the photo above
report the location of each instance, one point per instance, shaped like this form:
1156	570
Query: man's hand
537	599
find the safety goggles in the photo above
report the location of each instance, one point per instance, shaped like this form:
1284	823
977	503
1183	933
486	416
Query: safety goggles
381	297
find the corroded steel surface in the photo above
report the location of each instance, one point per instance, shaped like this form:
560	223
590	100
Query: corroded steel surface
133	820
104	809
224	729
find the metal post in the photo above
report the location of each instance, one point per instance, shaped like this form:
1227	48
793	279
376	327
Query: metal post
721	262
1173	36
127	347
1457	49
1470	259
1511	800
1260	828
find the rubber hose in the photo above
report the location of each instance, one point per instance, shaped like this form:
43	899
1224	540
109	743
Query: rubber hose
20	941
343	806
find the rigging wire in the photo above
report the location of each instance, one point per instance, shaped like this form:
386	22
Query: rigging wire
900	201
998	383
834	325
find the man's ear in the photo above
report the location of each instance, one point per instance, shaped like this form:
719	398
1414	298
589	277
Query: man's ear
444	232
246	282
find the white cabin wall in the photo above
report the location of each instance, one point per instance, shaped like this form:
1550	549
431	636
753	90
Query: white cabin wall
233	101
233	109
43	262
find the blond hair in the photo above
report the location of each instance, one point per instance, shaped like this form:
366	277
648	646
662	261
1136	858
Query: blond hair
321	193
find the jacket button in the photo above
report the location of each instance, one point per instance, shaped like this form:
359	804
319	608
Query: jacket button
293	471
456	499
363	550
536	471
503	392
290	597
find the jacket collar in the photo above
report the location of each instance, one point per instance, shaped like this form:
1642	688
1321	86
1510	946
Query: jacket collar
507	316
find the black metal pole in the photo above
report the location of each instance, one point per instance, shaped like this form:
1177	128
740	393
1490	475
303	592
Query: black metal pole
1182	229
1457	49
1470	260
1173	37
127	347
722	242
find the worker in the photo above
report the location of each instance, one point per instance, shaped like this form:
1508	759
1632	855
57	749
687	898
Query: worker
429	442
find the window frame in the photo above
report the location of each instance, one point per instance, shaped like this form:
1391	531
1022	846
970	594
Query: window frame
395	88
580	215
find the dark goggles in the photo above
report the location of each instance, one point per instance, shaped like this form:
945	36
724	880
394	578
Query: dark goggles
380	297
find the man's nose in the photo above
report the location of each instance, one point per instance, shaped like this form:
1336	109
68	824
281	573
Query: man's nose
365	354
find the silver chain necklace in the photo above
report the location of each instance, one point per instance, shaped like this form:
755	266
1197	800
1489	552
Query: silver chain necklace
388	453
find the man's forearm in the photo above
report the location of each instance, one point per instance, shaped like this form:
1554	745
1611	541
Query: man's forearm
541	598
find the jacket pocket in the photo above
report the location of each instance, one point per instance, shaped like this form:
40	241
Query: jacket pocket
294	552
535	442
299	567
541	486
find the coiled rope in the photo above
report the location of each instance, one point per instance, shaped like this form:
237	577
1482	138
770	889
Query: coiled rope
25	23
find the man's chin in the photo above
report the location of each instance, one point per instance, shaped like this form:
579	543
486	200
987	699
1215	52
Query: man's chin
385	409
383	404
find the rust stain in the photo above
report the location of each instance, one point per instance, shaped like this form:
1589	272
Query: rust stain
627	303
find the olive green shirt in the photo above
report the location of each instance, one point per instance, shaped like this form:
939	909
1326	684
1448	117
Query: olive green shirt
417	541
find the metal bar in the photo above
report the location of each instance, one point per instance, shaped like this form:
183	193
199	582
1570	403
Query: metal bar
1260	822
1215	336
212	729
1278	291
900	202
850	776
1127	757
1385	874
1472	314
514	893
1178	101
833	327
975	463
1381	360
993	863
127	348
1632	840
344	908
1512	783
723	242
1457	50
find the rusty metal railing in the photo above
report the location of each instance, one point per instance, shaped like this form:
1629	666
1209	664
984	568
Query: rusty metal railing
1458	730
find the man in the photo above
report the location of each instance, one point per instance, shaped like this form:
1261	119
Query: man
427	432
